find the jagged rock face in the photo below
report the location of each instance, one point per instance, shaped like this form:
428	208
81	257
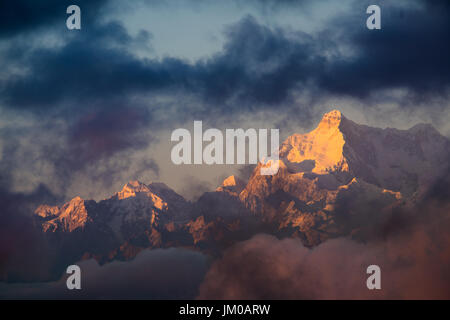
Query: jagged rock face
398	160
219	218
321	150
46	212
69	217
178	207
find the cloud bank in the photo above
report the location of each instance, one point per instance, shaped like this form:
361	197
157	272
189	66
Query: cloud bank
153	274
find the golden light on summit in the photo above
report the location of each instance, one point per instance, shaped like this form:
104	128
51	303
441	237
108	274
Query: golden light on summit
324	145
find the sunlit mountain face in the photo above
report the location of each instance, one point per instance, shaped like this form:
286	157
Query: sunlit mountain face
93	119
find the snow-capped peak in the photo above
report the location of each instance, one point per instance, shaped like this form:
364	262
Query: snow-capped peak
331	119
324	145
229	182
232	184
132	188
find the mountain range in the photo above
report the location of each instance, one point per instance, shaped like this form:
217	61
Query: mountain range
341	179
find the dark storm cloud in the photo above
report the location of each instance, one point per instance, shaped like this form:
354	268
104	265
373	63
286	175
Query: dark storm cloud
258	65
93	65
71	86
91	137
99	144
409	51
102	142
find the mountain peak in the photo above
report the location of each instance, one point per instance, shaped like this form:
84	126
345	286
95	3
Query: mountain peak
392	159
330	120
229	182
423	128
77	199
46	211
333	113
232	184
131	188
135	184
324	145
